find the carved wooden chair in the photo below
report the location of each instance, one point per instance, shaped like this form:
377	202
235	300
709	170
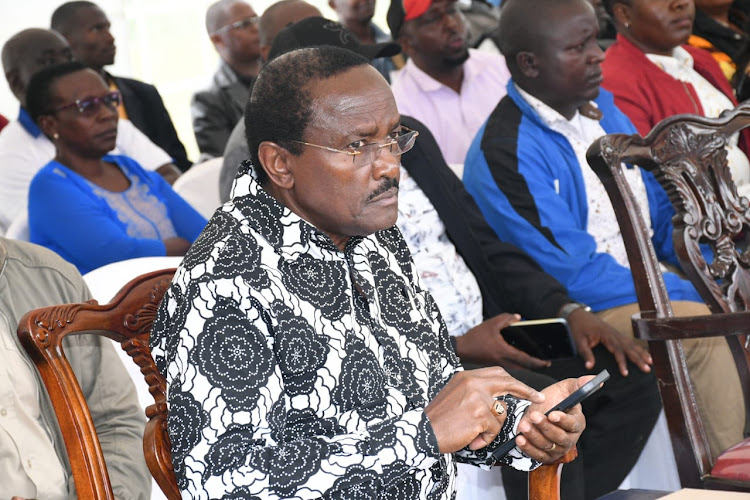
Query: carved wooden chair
686	154
128	319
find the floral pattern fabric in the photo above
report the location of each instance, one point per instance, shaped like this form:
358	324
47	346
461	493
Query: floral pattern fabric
296	370
442	270
142	213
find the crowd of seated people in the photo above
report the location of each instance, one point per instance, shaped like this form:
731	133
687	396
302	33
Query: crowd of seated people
528	232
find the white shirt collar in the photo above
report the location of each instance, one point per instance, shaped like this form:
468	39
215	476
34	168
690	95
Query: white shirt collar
549	116
680	60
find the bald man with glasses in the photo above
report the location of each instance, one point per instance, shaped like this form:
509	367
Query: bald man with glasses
232	26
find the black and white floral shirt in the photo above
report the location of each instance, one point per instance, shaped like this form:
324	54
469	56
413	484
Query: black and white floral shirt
296	370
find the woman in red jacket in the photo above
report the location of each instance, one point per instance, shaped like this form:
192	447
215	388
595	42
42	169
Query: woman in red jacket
654	75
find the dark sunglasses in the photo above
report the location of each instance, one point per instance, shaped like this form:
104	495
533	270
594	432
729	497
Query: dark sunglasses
90	105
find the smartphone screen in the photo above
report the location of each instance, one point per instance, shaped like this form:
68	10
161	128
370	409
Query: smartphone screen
547	339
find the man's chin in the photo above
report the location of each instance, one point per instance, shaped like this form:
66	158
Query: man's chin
459	59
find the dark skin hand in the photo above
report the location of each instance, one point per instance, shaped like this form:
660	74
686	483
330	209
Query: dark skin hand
176	246
485	345
462	412
561	429
589	331
170	172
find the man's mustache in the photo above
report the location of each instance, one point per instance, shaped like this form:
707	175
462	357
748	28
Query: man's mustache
384	186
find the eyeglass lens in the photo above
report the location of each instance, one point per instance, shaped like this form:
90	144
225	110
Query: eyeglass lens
398	146
91	104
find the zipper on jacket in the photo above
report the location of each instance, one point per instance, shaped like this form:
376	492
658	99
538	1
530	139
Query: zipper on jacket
695	104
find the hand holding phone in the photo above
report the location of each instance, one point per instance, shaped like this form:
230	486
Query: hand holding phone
547	339
566	404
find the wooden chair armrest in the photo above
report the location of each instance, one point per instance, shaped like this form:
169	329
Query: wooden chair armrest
712	325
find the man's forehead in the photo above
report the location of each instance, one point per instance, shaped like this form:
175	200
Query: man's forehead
354	96
87	14
238	11
44	46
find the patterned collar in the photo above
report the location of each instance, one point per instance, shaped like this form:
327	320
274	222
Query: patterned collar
28	124
290	235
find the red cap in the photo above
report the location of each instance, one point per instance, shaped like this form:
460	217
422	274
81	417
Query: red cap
415	8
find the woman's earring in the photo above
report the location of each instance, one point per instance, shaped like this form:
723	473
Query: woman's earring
55	136
627	26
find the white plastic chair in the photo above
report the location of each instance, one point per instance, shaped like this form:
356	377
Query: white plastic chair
19	228
199	186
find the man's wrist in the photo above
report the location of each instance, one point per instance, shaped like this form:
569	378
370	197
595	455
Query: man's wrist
570	307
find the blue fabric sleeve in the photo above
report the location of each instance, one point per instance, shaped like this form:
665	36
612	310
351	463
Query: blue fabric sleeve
77	225
187	221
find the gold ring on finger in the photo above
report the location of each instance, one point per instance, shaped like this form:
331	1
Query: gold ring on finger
499	408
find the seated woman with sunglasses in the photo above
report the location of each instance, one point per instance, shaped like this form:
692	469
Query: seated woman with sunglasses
90	207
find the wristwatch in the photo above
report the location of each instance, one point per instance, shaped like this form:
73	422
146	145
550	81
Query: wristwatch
568	309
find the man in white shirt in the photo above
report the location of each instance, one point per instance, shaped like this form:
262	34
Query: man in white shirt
23	147
447	86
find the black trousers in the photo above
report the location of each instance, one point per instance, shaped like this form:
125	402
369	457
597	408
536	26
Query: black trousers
619	420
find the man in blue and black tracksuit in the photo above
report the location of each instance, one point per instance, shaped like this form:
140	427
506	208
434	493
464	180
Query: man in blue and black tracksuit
528	173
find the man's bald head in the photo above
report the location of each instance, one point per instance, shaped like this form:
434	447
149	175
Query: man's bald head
280	15
552	53
524	25
217	14
27	52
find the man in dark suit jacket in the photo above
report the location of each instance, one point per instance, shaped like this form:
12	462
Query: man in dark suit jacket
232	26
86	28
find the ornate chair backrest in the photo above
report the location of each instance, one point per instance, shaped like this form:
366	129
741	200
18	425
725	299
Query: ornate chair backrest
687	156
127	319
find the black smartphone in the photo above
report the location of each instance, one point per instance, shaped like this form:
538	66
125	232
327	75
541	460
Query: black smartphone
547	339
566	404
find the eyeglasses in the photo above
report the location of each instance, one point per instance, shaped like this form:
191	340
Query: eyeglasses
90	105
366	154
238	25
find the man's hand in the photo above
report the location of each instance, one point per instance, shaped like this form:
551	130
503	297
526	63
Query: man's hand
485	345
462	413
589	331
547	438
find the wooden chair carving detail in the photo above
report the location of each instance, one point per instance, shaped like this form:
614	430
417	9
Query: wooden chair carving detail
128	320
687	156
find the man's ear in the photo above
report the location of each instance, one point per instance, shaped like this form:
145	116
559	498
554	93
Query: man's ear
217	40
275	160
15	84
264	51
527	63
405	43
